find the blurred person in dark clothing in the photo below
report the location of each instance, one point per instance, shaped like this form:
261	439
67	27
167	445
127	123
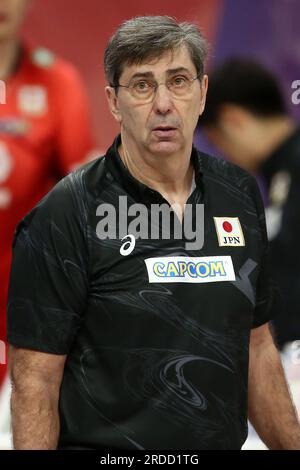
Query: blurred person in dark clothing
246	119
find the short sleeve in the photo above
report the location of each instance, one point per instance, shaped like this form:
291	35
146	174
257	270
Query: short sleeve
49	273
267	292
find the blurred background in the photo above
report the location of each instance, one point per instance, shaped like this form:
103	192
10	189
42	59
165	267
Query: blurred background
265	31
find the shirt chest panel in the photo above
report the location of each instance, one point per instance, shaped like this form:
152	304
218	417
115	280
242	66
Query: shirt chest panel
120	272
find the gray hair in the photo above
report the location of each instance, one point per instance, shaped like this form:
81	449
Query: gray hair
148	37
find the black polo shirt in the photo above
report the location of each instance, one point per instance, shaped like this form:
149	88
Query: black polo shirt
282	174
157	340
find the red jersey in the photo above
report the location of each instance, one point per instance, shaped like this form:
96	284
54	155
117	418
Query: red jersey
44	132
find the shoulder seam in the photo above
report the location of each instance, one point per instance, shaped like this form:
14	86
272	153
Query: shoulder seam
217	175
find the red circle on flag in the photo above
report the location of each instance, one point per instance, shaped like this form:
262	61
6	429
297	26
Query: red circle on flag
227	226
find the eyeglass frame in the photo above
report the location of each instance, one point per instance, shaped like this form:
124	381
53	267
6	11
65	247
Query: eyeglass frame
191	81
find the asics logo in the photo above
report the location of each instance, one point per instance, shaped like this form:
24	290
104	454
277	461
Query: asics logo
128	245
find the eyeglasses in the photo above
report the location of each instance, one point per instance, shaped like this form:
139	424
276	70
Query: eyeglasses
144	89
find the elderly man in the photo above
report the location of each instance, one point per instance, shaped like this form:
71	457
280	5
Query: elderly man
121	340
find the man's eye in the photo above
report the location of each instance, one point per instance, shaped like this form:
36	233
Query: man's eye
179	81
142	85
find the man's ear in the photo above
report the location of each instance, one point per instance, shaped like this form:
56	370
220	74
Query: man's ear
113	104
204	86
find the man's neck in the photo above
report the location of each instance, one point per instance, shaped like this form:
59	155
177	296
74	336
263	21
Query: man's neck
9	49
170	174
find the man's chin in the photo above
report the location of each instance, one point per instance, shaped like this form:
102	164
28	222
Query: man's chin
165	147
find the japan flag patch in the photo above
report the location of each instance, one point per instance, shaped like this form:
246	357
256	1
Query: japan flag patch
229	231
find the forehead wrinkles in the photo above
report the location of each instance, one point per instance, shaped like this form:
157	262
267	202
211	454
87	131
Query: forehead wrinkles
152	60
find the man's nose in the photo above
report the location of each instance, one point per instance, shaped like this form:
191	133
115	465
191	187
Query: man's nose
163	102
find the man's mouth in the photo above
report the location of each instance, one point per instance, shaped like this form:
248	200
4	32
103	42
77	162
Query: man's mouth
164	128
164	131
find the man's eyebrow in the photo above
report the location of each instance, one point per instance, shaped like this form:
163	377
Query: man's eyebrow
148	74
178	70
142	74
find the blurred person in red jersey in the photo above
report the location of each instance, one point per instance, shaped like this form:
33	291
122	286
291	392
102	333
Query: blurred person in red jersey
44	130
247	120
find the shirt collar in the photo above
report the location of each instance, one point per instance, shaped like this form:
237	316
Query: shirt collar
138	190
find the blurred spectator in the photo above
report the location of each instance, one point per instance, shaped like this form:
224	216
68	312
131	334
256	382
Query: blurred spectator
44	130
246	119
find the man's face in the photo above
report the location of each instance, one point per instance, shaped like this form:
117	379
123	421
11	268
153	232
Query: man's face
12	13
166	124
